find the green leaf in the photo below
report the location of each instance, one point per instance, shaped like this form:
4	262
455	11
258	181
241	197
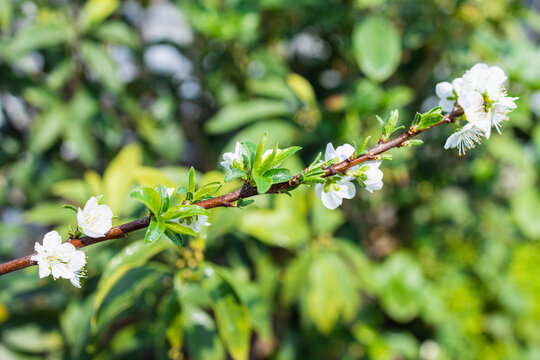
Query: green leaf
154	231
258	155
191	180
36	37
231	316
391	122
201	334
278	175
119	33
429	119
164	198
101	64
234	173
236	115
149	197
362	146
47	129
377	47
132	256
95	11
183	211
6	14
70	207
181	190
284	154
175	237
207	191
263	183
179	229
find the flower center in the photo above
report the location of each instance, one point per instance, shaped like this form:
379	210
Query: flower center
488	103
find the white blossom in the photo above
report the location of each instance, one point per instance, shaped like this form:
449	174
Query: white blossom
374	175
195	222
59	259
340	187
482	95
230	157
333	193
94	220
340	153
466	138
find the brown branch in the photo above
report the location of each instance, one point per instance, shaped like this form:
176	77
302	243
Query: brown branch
228	200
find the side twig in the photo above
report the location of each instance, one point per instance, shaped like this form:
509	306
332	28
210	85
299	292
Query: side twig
228	200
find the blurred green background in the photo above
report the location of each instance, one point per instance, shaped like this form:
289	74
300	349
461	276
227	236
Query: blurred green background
101	96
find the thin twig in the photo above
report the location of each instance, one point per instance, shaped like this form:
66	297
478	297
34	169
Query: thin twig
229	200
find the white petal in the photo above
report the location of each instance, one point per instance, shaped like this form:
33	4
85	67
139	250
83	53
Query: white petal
75	281
78	259
444	90
331	200
319	189
90	204
344	151
330	152
51	240
346	189
374	186
61	270
44	269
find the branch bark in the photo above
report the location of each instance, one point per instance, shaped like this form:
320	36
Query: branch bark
228	200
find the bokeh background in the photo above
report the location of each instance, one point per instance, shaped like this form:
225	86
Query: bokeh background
101	96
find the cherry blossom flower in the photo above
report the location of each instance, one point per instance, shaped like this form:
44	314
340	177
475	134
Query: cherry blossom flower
94	220
62	260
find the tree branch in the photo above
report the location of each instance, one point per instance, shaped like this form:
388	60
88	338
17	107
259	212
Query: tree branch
228	200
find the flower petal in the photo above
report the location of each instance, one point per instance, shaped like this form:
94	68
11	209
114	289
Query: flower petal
51	240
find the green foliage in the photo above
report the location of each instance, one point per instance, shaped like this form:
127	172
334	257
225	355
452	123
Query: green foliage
112	98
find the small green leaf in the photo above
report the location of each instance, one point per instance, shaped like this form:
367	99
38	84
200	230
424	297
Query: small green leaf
243	202
207	191
263	183
154	231
183	211
258	155
234	173
284	154
316	161
95	11
380	120
179	229
70	207
175	237
278	175
191	183
149	197
181	190
363	145
428	120
164	196
391	122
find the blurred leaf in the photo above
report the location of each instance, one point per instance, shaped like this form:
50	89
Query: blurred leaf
118	177
36	37
95	11
30	338
377	47
47	129
231	316
525	208
201	335
101	65
132	256
236	115
117	32
398	282
301	87
6	14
